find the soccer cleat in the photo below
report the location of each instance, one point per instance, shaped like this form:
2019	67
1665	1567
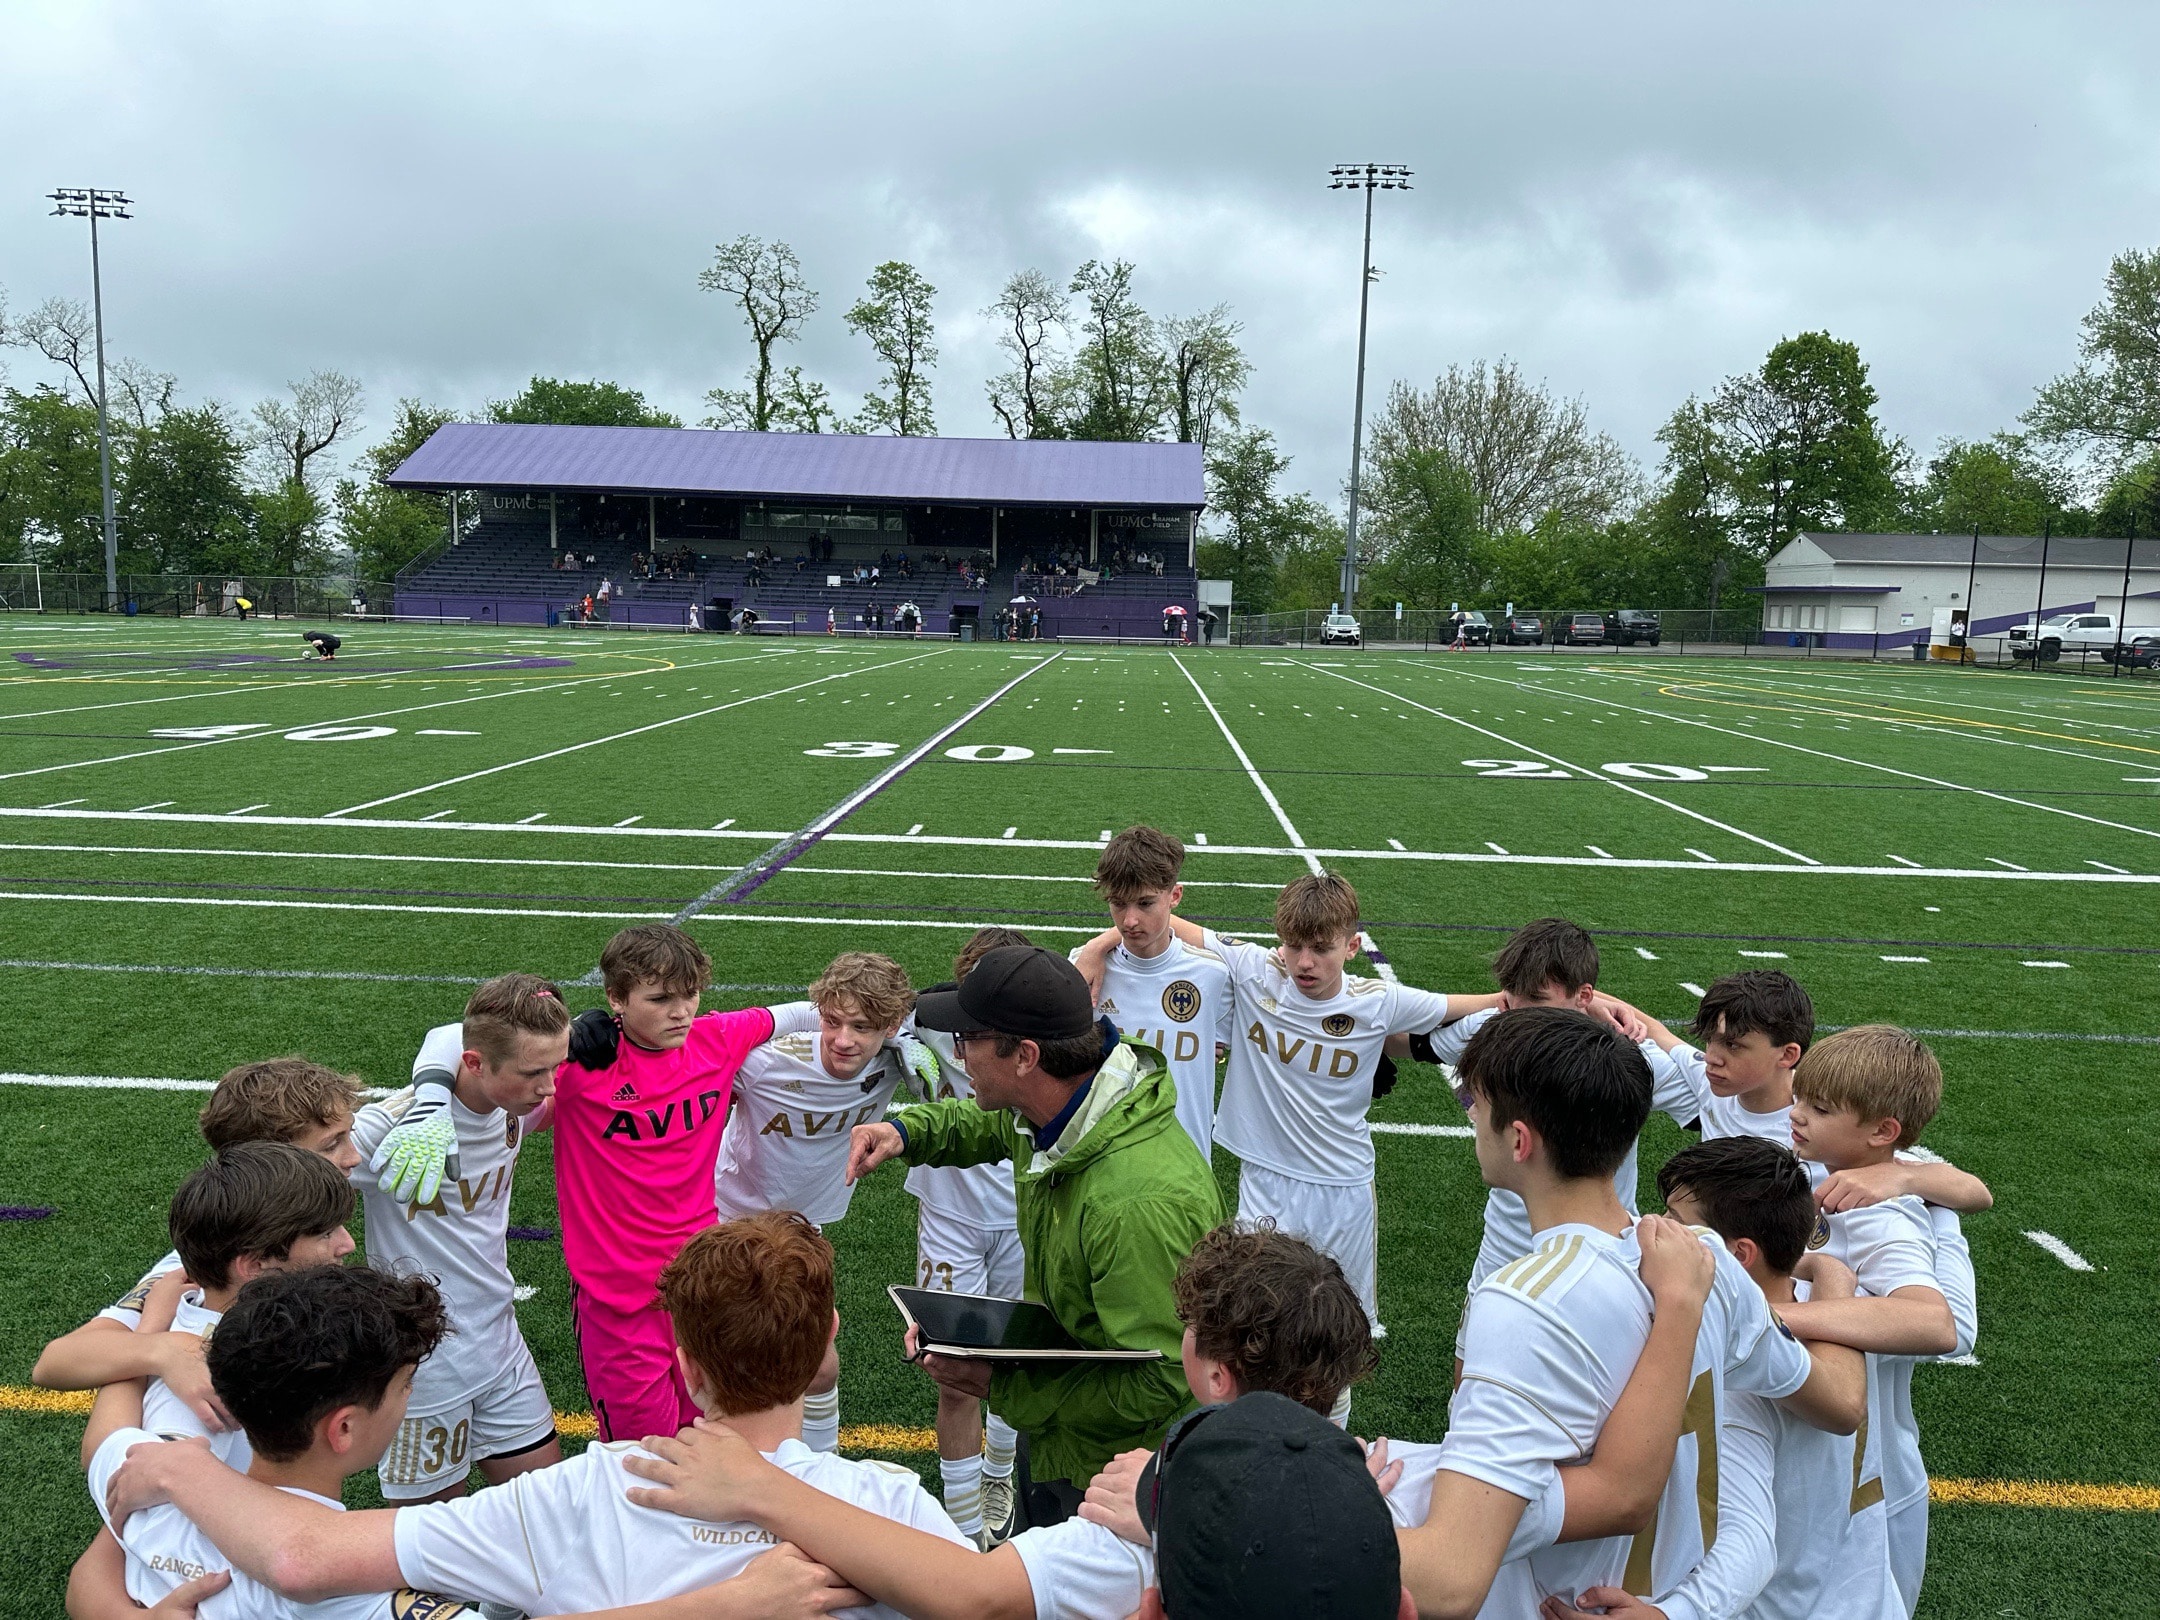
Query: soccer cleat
420	1149
999	1502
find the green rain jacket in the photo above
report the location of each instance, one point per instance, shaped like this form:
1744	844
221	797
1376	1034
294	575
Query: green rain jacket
1106	1217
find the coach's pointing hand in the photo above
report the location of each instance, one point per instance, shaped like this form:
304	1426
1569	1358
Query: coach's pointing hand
870	1146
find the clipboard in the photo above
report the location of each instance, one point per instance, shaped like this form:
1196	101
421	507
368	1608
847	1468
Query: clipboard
982	1327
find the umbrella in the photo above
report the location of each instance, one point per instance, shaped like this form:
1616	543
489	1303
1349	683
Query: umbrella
1174	608
1016	601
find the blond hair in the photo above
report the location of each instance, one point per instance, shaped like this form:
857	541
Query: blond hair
876	985
509	1006
1317	909
1877	1071
279	1099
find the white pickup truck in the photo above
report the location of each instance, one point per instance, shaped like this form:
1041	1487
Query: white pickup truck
2083	632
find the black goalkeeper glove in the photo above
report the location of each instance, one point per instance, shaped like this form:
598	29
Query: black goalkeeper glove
1384	1077
595	1036
1421	1048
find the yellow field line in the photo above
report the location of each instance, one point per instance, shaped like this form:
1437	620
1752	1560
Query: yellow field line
891	1437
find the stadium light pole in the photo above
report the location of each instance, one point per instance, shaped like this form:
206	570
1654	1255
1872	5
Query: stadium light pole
95	203
1368	178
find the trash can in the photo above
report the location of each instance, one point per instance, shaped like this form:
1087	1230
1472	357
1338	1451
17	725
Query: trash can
1919	652
967	630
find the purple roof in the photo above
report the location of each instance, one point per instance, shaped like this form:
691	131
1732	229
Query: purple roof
819	466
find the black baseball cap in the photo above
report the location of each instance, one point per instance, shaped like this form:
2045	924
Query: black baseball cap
1020	990
1262	1509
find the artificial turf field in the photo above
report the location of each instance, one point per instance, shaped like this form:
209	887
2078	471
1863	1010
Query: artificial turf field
211	852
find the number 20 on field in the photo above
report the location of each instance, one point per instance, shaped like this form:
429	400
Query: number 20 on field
1545	769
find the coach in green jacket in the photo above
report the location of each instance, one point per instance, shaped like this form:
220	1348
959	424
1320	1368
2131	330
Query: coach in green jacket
1112	1196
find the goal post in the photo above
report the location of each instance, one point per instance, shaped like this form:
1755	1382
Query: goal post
22	588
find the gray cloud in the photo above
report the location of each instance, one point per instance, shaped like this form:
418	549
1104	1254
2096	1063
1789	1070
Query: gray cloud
1631	200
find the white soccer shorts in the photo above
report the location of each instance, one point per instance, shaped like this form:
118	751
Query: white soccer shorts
957	1258
1340	1221
434	1450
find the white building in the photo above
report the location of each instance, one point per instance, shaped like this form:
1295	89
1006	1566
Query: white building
1860	590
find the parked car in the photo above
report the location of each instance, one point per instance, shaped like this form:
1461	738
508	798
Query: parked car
2089	632
1340	629
2139	652
1477	629
1579	630
1630	625
1524	629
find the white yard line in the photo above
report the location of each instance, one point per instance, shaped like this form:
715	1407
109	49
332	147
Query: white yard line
2060	1250
1282	816
1799	748
634	731
1094	846
305	725
1594	776
1388	1128
820	826
124	1082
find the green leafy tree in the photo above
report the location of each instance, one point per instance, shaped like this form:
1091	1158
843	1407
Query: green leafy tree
1118	384
2109	405
184	504
765	279
895	317
387	528
1422	530
1208	370
50	508
580	404
1308	566
1244	516
1993	485
2131	504
801	405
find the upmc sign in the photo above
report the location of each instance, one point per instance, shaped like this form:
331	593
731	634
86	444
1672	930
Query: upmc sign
1153	522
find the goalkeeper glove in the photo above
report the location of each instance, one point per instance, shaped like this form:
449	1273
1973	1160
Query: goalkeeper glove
922	1063
1384	1076
595	1037
421	1148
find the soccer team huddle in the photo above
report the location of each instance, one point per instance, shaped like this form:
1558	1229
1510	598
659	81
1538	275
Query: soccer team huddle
1701	1414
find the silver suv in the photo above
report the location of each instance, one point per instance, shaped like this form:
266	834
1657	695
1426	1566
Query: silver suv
1341	628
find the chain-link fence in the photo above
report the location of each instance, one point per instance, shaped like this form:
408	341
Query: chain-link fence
209	596
1676	628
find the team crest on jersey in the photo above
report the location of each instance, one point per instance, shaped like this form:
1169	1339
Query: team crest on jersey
513	1127
1337	1024
1181	1001
406	1604
1821	1235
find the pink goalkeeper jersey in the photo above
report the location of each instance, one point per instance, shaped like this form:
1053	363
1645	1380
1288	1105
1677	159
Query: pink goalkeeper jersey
635	1146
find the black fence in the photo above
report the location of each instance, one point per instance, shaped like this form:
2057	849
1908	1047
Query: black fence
180	596
1678	628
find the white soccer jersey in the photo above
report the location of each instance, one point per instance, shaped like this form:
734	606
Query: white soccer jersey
1740	1559
1301	1072
786	1145
1180	1004
1720	1116
1507	1220
1833	1560
1741	1348
976	1195
165	1550
127	1309
1410	1499
567	1540
167	1414
1084	1571
461	1238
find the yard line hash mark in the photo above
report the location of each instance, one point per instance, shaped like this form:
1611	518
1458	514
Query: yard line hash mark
1904	959
2060	1250
1692	988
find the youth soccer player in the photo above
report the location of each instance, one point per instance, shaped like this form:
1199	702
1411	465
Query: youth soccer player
1550	1338
638	1112
1301	1070
1858	1097
255	1207
478	1401
1831	1528
1157	989
285	1099
796	1099
967	1241
751	1303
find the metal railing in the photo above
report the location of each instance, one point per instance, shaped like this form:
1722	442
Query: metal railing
1678	628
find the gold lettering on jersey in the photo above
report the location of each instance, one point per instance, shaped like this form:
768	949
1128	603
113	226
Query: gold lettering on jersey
1865	1492
166	1564
490	1188
714	1535
835	1123
1699	1419
1342	1061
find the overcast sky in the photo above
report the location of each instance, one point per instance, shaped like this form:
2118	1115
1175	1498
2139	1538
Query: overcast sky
1633	200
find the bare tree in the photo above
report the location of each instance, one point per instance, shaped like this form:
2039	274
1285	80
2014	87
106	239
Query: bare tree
62	330
290	434
895	317
1207	370
1527	453
766	279
138	392
1030	310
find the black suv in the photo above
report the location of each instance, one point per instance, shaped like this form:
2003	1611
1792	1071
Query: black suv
1631	625
1477	629
1523	629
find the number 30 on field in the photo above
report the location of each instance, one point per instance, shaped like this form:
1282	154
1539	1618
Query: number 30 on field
1629	768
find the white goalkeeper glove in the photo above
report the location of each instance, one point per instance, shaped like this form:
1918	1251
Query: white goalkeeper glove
421	1148
921	1061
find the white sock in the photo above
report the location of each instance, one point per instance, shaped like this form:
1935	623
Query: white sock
963	1492
821	1421
1339	1414
1003	1442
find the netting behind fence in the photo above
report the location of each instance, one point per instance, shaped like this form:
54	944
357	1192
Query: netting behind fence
25	588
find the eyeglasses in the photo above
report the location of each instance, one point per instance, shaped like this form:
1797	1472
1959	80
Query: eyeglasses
960	1042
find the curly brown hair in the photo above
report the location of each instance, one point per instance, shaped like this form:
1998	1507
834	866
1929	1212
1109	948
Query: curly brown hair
1277	1312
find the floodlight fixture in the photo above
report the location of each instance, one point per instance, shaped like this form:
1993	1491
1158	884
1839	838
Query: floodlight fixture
1368	178
95	203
